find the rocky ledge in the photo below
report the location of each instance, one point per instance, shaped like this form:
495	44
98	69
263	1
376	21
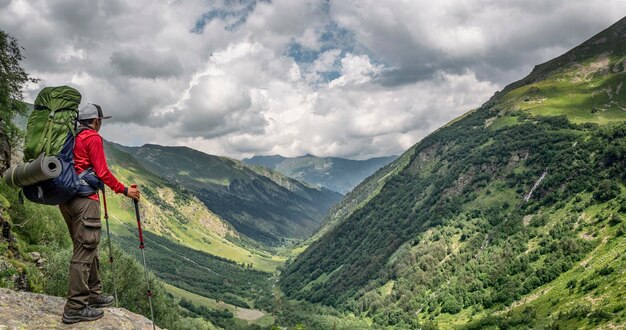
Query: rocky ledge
25	310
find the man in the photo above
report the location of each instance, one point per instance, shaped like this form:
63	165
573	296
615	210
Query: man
82	216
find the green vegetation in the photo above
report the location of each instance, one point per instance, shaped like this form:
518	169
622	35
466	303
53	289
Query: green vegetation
355	199
260	204
12	80
41	229
305	315
173	212
591	97
468	197
508	217
131	289
200	272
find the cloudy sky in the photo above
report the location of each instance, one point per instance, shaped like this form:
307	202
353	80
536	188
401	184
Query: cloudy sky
347	78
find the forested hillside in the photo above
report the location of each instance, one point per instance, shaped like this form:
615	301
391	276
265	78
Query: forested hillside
514	213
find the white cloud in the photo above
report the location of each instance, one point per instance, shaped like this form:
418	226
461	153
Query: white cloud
356	70
500	40
399	69
354	118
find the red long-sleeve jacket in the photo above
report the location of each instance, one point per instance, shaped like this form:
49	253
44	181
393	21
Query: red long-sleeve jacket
89	152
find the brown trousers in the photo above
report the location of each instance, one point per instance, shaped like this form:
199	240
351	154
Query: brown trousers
82	216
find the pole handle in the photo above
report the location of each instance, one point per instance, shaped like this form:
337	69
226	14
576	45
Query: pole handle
104	200
136	202
138	216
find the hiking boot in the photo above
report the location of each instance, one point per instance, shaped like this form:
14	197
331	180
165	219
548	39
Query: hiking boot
102	301
88	313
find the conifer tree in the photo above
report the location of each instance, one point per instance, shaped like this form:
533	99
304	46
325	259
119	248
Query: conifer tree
13	79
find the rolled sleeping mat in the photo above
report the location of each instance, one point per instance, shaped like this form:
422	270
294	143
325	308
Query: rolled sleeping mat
41	169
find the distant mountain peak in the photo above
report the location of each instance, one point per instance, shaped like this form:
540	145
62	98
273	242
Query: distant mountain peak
334	173
610	41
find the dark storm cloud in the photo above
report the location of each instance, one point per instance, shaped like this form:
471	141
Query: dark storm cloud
510	36
147	64
117	54
54	31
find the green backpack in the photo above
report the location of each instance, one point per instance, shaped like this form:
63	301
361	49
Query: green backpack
54	116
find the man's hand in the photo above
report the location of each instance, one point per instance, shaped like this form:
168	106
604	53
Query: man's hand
133	193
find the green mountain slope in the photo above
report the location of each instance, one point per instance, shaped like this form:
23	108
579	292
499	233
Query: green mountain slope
178	215
356	198
337	174
259	203
187	245
512	214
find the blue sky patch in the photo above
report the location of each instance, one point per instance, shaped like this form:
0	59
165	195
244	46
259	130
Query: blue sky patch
234	13
331	36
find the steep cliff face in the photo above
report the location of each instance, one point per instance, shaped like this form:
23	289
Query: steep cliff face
24	310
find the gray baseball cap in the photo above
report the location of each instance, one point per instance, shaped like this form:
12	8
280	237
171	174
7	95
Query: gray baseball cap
90	111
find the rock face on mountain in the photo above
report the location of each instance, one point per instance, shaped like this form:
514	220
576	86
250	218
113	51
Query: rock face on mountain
24	310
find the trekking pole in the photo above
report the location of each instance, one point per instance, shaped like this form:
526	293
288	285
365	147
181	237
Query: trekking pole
143	256
106	218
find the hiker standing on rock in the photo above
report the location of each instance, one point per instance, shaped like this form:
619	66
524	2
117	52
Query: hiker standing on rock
82	216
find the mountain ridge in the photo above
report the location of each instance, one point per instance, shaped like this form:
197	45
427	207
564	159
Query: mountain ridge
598	41
446	233
334	173
261	204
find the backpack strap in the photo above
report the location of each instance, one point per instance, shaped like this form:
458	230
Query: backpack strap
43	144
89	177
88	183
82	128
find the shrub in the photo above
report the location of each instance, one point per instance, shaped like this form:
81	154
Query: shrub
451	305
129	279
607	190
606	270
571	284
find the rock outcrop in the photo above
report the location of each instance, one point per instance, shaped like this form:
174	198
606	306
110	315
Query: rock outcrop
25	310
